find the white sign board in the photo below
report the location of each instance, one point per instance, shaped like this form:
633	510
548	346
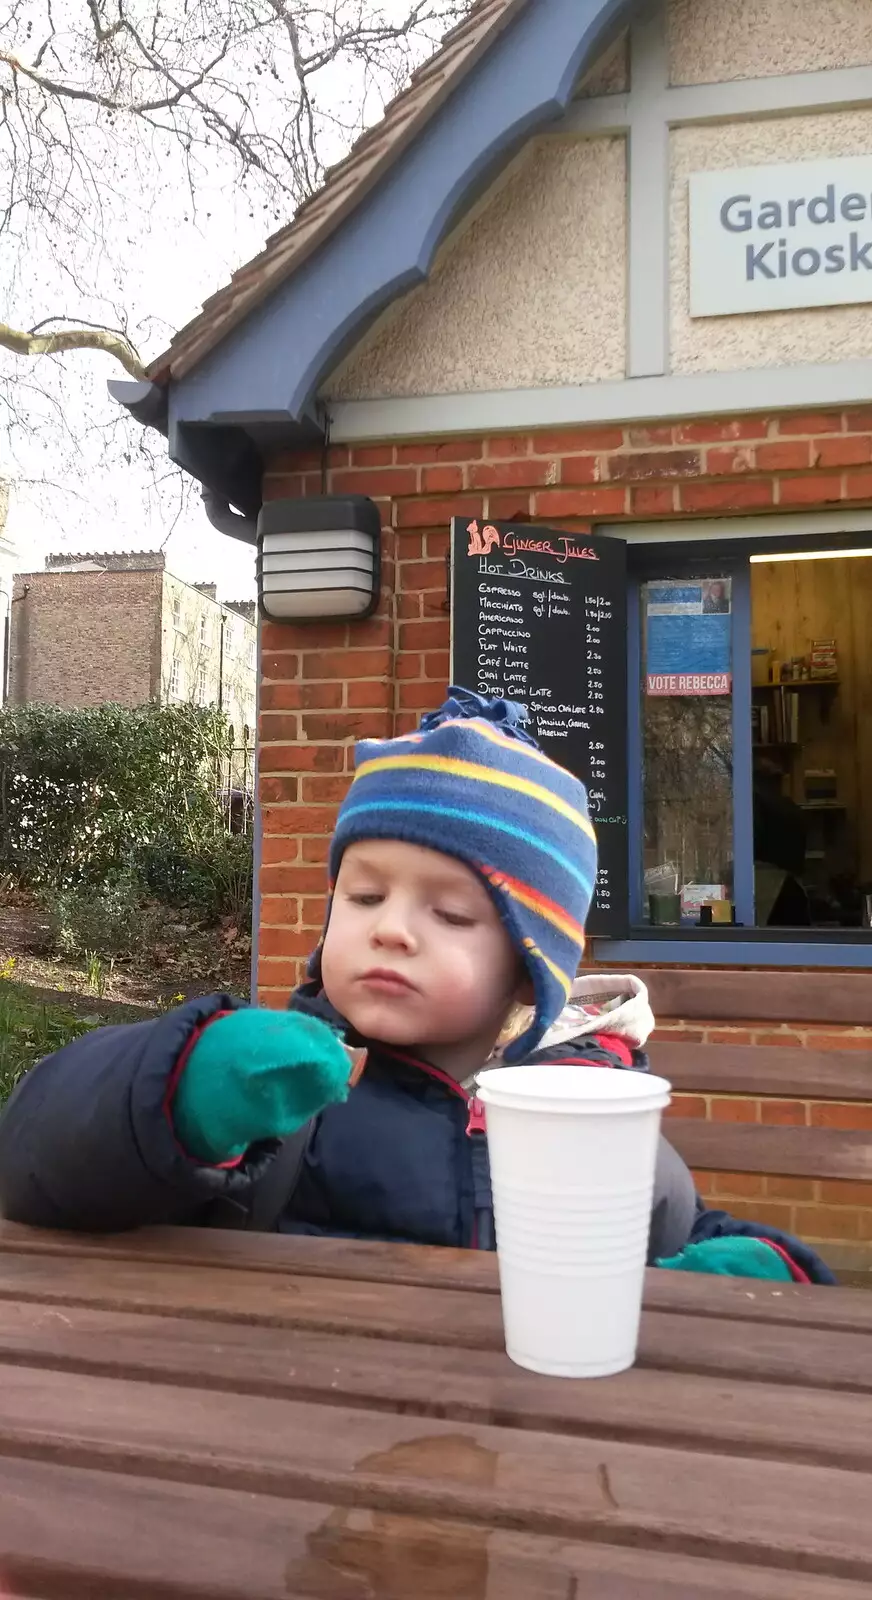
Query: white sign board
775	238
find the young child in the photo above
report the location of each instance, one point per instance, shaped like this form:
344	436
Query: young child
461	871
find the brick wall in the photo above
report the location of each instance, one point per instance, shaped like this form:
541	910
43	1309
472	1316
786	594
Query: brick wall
81	638
324	685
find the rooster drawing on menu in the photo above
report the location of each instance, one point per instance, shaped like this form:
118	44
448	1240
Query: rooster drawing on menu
481	542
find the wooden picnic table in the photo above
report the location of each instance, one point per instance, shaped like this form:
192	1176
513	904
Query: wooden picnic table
190	1413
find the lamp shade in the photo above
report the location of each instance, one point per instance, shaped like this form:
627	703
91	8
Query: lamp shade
319	557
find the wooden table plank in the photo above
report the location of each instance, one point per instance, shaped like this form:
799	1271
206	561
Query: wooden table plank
430	1379
87	1536
118	1281
666	1407
837	1153
698	1503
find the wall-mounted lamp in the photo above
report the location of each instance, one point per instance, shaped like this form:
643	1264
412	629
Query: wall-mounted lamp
319	557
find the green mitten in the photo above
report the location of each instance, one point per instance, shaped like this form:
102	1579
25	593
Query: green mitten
256	1075
735	1257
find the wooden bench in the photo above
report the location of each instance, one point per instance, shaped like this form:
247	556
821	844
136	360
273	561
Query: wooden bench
815	1078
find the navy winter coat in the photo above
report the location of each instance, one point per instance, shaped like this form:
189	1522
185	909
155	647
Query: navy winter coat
86	1143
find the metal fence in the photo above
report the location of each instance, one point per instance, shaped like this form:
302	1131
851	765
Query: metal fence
236	788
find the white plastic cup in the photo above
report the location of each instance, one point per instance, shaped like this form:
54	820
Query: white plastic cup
572	1158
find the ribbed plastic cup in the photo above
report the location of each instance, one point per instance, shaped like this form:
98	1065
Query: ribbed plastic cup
572	1157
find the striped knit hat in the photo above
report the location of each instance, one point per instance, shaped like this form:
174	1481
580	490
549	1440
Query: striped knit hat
473	785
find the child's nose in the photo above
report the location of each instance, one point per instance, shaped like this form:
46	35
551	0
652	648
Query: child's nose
393	927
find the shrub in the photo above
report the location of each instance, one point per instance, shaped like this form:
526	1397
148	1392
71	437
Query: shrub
107	922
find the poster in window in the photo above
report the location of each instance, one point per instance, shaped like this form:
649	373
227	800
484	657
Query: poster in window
688	636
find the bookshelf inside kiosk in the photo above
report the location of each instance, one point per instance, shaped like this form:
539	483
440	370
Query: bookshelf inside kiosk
811	725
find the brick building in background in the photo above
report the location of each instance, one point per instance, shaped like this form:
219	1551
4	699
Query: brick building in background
119	628
478	322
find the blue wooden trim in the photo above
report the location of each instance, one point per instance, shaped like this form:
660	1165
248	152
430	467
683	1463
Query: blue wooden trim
269	369
743	799
700	951
635	764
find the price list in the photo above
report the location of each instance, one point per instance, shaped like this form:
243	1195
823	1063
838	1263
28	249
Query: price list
540	616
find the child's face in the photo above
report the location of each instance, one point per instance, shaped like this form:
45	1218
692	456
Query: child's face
416	955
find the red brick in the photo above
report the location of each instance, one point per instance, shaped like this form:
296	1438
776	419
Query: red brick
411	547
859	421
284	942
372	455
827	1222
770	1212
374	694
438	450
582	469
281	790
437	513
441	480
600	502
408	605
655	464
839	1041
507	445
846	450
277	978
653	502
407	722
312	911
279	911
299	819
837	1192
640	438
283	666
745	1184
733	1110
729	1036
783	1113
687	1105
317	849
369	633
424	635
721	463
281	696
291	880
743	495
346	664
832	1114
858	485
813	490
511	474
279	852
713	432
436	543
422	575
783	1039
577	441
301	758
409	667
380	480
785	455
810	422
312	635
272	999
509	507
274	727
321	789
437	664
417	696
348	725
792	1188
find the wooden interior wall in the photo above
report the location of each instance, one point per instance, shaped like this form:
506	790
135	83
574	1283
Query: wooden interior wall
794	602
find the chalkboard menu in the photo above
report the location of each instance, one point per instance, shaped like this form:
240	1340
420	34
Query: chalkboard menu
541	617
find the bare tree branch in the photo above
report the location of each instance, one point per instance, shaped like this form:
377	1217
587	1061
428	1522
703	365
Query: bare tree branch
49	344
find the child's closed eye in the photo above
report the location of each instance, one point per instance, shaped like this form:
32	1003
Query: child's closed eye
456	919
366	897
